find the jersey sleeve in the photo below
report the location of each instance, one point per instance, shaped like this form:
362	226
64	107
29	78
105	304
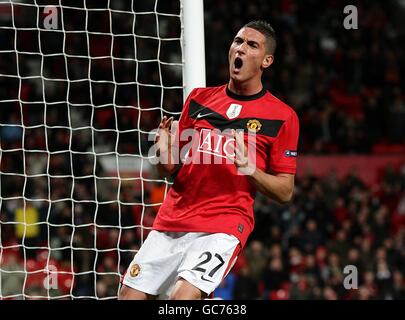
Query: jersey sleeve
283	156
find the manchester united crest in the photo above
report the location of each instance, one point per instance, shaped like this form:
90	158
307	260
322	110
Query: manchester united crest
135	270
254	125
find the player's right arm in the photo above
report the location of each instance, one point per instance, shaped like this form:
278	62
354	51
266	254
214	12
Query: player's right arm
169	142
166	149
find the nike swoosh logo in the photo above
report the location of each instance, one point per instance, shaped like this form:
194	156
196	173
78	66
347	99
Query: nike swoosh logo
203	115
203	278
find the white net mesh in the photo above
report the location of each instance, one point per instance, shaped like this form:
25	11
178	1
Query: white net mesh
77	103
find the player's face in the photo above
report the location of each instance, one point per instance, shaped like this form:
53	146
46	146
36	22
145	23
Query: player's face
248	55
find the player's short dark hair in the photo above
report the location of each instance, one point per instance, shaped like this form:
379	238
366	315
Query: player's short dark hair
267	30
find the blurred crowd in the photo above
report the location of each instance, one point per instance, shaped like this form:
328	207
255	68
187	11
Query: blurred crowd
346	86
300	251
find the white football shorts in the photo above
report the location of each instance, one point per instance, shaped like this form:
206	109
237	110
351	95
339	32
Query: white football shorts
203	259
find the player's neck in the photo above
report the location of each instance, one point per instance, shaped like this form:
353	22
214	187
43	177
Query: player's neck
245	88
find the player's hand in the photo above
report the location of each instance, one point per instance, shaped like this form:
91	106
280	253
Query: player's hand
241	159
166	133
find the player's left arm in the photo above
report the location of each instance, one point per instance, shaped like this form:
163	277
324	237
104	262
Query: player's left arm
278	185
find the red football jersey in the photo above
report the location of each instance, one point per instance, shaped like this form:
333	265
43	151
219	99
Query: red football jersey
208	193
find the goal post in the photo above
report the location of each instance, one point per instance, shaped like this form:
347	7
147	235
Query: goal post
82	85
193	45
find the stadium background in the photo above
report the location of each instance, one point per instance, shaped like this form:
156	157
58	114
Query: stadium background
347	88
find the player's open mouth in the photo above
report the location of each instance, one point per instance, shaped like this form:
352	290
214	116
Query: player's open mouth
238	63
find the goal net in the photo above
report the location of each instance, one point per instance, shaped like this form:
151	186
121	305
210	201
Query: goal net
82	84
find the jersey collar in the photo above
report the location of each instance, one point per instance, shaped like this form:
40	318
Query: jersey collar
245	98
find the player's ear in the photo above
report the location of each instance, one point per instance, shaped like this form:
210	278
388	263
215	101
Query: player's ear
267	61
